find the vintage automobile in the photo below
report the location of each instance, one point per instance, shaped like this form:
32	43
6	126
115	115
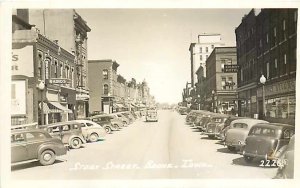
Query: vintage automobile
151	115
190	117
183	111
91	131
129	116
267	141
286	162
238	132
105	122
122	118
204	120
69	132
31	144
214	127
226	127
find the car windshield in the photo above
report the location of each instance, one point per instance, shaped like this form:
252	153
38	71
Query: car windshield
263	131
240	125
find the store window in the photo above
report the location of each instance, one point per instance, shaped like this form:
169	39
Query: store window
105	74
281	107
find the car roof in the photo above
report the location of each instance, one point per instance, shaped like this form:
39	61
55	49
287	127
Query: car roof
274	125
27	130
61	124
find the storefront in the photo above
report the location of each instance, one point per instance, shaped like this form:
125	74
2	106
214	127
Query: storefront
280	101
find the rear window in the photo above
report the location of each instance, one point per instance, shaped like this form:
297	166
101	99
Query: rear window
240	125
263	131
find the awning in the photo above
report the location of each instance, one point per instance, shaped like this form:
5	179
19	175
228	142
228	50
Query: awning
48	110
61	107
118	105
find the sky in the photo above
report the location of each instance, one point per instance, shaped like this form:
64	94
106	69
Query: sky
153	44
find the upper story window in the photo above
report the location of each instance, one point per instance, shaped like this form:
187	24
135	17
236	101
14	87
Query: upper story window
212	46
40	61
47	68
61	69
206	49
55	68
200	57
200	50
105	89
267	38
268	70
283	25
274	31
105	74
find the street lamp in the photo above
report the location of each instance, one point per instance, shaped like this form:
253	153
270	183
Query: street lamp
213	99
41	87
263	81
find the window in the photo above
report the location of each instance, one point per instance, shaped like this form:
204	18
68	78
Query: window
268	70
206	49
61	70
206	56
283	25
17	138
267	38
260	43
223	82
105	89
242	79
200	57
55	68
230	82
255	131
240	125
200	49
67	71
40	61
34	136
212	46
274	31
66	128
284	59
105	74
89	124
47	68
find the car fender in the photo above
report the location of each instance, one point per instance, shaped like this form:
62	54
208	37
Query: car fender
47	146
75	136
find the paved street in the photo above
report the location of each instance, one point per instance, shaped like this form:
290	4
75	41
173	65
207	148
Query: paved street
166	149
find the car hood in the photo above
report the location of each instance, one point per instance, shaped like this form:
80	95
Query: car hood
236	135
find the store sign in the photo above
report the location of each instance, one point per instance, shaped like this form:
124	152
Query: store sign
281	87
18	97
231	68
22	61
58	81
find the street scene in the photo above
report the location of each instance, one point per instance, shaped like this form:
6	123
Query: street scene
148	150
101	94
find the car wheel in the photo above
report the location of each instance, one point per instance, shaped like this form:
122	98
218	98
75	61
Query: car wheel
248	159
47	157
75	143
94	137
108	130
230	148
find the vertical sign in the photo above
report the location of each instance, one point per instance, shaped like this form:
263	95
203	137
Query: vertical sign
18	97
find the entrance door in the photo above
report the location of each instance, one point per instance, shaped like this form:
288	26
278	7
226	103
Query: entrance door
106	108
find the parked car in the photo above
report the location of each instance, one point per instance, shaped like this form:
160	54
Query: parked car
183	111
267	141
105	122
286	162
204	120
151	115
122	118
30	144
129	116
226	126
238	132
190	117
214	127
91	131
69	132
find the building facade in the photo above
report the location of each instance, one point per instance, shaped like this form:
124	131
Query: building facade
200	51
266	46
69	29
221	79
103	85
43	80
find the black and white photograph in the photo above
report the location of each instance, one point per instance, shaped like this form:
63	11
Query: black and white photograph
155	94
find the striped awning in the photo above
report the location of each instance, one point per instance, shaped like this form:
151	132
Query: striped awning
48	110
61	107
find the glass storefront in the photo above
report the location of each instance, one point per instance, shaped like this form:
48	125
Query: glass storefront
281	107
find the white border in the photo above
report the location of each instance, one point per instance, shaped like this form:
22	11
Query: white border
5	46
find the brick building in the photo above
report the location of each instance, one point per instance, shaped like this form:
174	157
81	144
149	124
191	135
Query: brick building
266	45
